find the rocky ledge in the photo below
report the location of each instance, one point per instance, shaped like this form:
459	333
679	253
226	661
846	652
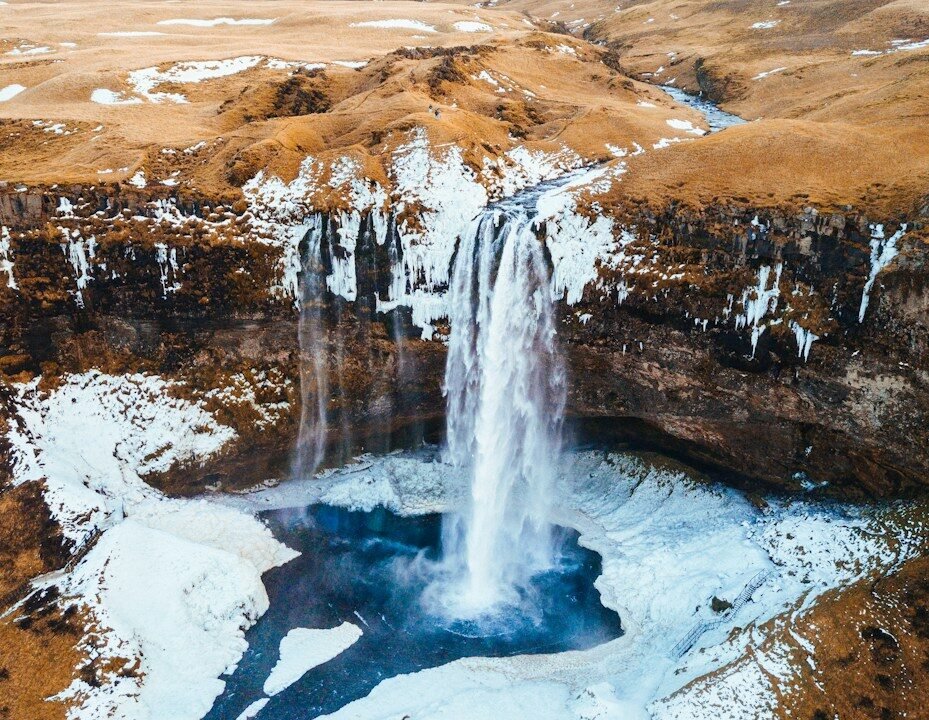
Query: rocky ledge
777	348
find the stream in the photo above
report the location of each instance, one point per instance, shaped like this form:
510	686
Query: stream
716	118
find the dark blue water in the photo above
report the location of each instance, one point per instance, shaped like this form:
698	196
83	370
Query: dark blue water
355	567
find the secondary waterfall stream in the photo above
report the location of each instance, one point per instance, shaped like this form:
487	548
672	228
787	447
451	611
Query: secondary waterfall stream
494	578
505	392
311	331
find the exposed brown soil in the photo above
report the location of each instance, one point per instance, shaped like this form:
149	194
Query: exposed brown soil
835	129
870	651
547	91
38	658
38	654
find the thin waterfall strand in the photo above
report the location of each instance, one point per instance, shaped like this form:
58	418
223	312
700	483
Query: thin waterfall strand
311	331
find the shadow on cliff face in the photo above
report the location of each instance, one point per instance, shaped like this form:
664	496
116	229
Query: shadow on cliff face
713	461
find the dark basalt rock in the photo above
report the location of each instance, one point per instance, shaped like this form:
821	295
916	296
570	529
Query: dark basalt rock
851	421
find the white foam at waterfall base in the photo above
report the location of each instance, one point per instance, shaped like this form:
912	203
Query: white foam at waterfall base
505	389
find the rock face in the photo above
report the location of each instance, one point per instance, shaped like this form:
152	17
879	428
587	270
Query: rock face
843	409
777	350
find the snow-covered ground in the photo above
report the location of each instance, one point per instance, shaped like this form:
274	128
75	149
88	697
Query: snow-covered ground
171	585
669	545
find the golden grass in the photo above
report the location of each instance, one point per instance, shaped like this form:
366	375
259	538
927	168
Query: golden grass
37	654
836	130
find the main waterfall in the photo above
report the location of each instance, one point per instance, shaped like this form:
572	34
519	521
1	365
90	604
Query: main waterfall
505	393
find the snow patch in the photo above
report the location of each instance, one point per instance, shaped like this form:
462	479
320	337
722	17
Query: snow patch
213	22
686	126
522	168
27	49
469	26
767	73
145	81
131	33
579	244
175	588
303	649
895	46
10	92
102	96
396	24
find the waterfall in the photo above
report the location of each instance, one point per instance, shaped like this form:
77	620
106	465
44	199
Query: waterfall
505	395
504	388
311	333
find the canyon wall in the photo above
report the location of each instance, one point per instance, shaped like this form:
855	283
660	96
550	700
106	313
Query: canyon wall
774	350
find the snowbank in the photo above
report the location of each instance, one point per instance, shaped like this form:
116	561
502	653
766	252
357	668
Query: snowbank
95	437
174	589
170	586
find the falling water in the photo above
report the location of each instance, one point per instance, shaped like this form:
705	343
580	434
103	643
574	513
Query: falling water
505	394
311	332
505	391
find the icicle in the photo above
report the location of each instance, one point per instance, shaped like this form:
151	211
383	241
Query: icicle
883	251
